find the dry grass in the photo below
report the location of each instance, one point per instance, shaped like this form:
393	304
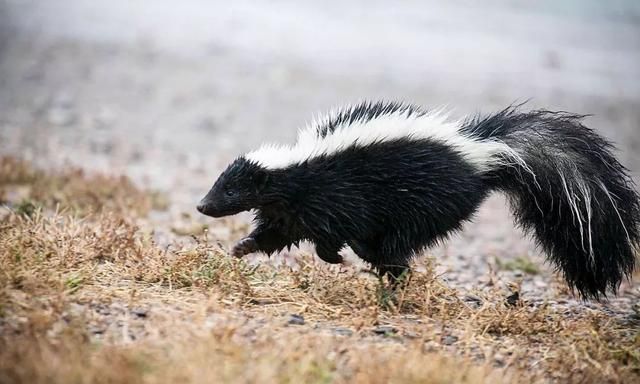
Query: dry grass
28	188
92	298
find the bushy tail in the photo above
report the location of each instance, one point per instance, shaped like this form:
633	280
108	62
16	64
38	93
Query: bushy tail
568	189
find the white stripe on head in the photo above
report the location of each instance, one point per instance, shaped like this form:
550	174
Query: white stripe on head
483	154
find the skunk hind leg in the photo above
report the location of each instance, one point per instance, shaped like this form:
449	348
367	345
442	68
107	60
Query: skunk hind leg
370	251
329	252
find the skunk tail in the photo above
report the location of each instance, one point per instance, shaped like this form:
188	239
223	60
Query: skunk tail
567	188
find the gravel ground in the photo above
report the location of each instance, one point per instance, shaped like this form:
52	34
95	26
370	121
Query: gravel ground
169	94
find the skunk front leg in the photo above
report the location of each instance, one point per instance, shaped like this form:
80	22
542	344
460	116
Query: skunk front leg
262	239
244	247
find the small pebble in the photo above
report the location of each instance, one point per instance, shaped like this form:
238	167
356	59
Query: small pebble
142	313
540	284
342	331
472	300
96	330
449	340
384	330
295	320
411	335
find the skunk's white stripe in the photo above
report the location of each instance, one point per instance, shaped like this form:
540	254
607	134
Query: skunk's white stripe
483	154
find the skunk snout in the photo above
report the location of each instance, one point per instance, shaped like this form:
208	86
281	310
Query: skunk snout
211	208
206	207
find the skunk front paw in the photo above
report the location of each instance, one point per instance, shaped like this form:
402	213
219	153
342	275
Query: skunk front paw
244	247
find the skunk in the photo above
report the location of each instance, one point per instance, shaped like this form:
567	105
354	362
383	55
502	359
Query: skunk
389	179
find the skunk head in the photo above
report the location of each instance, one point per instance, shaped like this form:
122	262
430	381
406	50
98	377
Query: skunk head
238	189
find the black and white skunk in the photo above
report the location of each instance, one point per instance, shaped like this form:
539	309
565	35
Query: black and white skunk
388	179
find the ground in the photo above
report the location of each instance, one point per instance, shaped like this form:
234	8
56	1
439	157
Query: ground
91	292
125	115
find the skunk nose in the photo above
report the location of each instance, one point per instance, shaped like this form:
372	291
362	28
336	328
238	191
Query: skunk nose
201	207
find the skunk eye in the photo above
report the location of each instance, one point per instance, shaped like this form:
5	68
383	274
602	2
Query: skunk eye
230	192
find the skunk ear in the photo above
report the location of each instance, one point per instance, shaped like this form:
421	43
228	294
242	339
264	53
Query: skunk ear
260	180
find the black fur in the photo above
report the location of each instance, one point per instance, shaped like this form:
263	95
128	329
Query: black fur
389	200
553	141
366	111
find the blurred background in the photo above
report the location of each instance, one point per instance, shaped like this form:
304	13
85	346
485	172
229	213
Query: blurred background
168	92
163	89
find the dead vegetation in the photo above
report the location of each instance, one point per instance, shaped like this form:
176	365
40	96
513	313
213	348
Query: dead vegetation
78	193
86	295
